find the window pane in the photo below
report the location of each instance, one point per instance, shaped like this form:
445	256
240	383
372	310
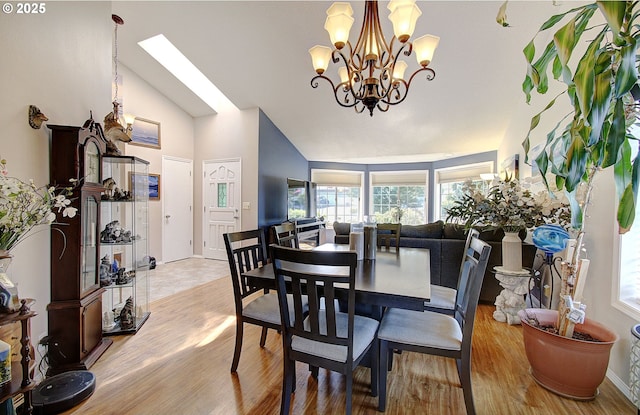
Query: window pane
338	203
404	204
222	195
630	261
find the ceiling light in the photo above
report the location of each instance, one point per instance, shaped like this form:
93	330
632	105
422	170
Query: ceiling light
162	50
371	74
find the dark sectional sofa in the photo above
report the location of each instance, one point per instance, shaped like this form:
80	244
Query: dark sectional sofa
446	244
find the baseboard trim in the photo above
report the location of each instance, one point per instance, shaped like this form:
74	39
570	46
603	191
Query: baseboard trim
619	383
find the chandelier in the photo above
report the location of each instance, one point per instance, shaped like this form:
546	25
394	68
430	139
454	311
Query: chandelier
372	73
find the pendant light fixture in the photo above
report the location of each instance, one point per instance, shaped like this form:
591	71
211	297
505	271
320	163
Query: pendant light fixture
113	123
371	72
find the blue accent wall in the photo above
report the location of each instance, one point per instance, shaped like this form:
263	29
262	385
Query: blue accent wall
278	159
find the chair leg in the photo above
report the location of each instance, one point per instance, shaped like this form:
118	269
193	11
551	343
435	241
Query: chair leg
349	390
375	367
383	350
288	380
464	372
236	352
263	337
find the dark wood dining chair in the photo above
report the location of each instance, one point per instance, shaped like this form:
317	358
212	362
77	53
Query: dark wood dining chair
436	333
327	337
247	250
285	235
443	299
389	235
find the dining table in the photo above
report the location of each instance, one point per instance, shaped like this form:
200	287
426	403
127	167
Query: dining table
398	279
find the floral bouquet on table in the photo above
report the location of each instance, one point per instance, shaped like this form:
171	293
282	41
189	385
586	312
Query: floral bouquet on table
24	206
509	205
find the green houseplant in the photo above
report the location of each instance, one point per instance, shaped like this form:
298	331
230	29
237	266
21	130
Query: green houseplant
593	57
595	134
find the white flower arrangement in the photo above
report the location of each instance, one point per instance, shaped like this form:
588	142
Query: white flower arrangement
23	206
509	205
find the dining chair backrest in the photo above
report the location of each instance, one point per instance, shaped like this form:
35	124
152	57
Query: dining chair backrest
471	234
389	235
317	274
246	250
286	235
472	275
462	276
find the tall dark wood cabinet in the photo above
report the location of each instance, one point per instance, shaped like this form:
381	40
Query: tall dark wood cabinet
75	311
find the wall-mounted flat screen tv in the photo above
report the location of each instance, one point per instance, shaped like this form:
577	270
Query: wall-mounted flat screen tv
300	199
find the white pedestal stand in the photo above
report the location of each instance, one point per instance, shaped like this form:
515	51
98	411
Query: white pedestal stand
511	298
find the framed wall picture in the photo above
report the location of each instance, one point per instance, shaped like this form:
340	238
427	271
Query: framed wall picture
146	133
154	187
153	181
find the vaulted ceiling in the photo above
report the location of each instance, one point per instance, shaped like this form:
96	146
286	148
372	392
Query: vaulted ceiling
256	53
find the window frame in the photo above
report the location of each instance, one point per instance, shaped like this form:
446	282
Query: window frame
339	178
460	173
399	178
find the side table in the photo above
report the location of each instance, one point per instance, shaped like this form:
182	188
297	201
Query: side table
511	299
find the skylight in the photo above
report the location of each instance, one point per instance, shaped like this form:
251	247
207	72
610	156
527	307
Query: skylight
162	50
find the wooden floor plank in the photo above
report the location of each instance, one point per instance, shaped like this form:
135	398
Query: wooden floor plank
178	363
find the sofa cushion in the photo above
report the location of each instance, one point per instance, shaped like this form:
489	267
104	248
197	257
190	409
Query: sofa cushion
429	230
454	231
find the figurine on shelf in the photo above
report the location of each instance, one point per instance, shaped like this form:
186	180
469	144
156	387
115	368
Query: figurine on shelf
110	232
123	277
109	186
105	271
126	315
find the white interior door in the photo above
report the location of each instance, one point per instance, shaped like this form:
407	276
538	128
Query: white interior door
177	208
222	209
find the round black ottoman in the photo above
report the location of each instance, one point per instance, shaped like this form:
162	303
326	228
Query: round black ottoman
58	393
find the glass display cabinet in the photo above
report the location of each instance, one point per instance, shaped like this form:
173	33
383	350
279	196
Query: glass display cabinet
124	244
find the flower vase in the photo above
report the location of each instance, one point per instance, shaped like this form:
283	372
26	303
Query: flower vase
5	260
512	252
8	291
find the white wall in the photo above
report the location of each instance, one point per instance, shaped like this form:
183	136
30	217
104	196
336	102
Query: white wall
176	139
228	135
59	61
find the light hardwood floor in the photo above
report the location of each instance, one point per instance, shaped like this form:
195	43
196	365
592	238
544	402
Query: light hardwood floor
178	363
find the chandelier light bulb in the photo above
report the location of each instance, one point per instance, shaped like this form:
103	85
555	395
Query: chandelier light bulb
404	19
343	73
393	4
340	7
425	47
338	26
320	56
398	70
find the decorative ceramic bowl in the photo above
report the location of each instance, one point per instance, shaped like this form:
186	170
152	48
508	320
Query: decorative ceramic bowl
550	238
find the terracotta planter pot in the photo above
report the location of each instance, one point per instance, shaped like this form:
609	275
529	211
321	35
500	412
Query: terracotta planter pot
568	367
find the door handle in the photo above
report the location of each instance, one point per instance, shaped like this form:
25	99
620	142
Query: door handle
236	216
167	216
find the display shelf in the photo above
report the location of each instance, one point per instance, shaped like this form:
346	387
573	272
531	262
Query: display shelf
116	330
124	215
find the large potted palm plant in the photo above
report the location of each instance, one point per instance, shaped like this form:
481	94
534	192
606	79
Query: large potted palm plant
599	77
